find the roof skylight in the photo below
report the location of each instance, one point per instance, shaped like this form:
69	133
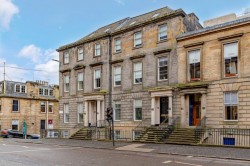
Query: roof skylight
132	23
155	15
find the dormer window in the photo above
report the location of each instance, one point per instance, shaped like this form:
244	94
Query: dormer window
20	88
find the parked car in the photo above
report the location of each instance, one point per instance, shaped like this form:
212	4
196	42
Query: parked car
4	133
17	134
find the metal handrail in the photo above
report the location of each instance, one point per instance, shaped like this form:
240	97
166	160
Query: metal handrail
141	125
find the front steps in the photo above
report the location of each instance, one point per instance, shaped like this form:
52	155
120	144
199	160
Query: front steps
83	134
184	136
154	134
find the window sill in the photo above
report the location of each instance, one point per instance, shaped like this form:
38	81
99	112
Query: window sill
194	80
96	56
138	83
137	47
15	111
118	52
162	80
80	90
231	120
117	120
137	120
230	76
80	60
162	41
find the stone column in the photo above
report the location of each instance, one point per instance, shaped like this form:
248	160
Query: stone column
203	108
86	115
170	110
183	117
153	111
98	112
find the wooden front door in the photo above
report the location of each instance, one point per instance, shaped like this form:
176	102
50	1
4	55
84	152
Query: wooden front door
164	109
194	109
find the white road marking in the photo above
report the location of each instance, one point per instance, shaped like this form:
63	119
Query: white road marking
134	147
3	144
189	156
25	147
186	163
165	162
37	150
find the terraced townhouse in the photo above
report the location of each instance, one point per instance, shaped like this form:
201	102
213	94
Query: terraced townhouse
135	60
35	103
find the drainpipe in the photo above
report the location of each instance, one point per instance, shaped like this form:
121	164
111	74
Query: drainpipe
110	83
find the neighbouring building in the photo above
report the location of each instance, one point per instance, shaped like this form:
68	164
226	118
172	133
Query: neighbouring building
35	103
214	74
135	59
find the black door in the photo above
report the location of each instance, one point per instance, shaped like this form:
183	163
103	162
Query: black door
42	126
164	109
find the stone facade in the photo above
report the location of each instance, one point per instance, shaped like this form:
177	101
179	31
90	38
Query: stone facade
215	83
149	91
22	102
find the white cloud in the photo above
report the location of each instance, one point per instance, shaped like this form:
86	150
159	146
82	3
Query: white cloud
12	72
120	2
7	11
42	60
49	72
32	52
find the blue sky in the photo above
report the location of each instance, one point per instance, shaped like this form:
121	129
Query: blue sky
31	30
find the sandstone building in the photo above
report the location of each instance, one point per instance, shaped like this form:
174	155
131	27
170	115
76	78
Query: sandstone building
135	59
33	102
214	74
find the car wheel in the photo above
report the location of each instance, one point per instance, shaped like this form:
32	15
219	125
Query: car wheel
10	136
29	137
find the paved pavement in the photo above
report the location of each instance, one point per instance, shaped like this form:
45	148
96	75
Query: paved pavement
22	153
198	151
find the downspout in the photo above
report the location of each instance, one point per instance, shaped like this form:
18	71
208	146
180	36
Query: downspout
110	70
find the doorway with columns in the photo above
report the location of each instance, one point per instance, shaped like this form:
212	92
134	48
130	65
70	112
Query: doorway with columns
94	111
161	107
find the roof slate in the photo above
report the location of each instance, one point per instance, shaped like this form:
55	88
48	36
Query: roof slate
114	27
196	32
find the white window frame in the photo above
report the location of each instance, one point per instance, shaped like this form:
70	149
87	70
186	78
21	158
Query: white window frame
95	78
17	105
16	123
231	104
52	107
117	75
138	39
41	91
66	83
118	47
137	71
43	103
66	57
21	89
190	53
115	109
162	32
135	110
80	111
51	92
159	78
97	49
66	113
224	59
80	55
80	81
